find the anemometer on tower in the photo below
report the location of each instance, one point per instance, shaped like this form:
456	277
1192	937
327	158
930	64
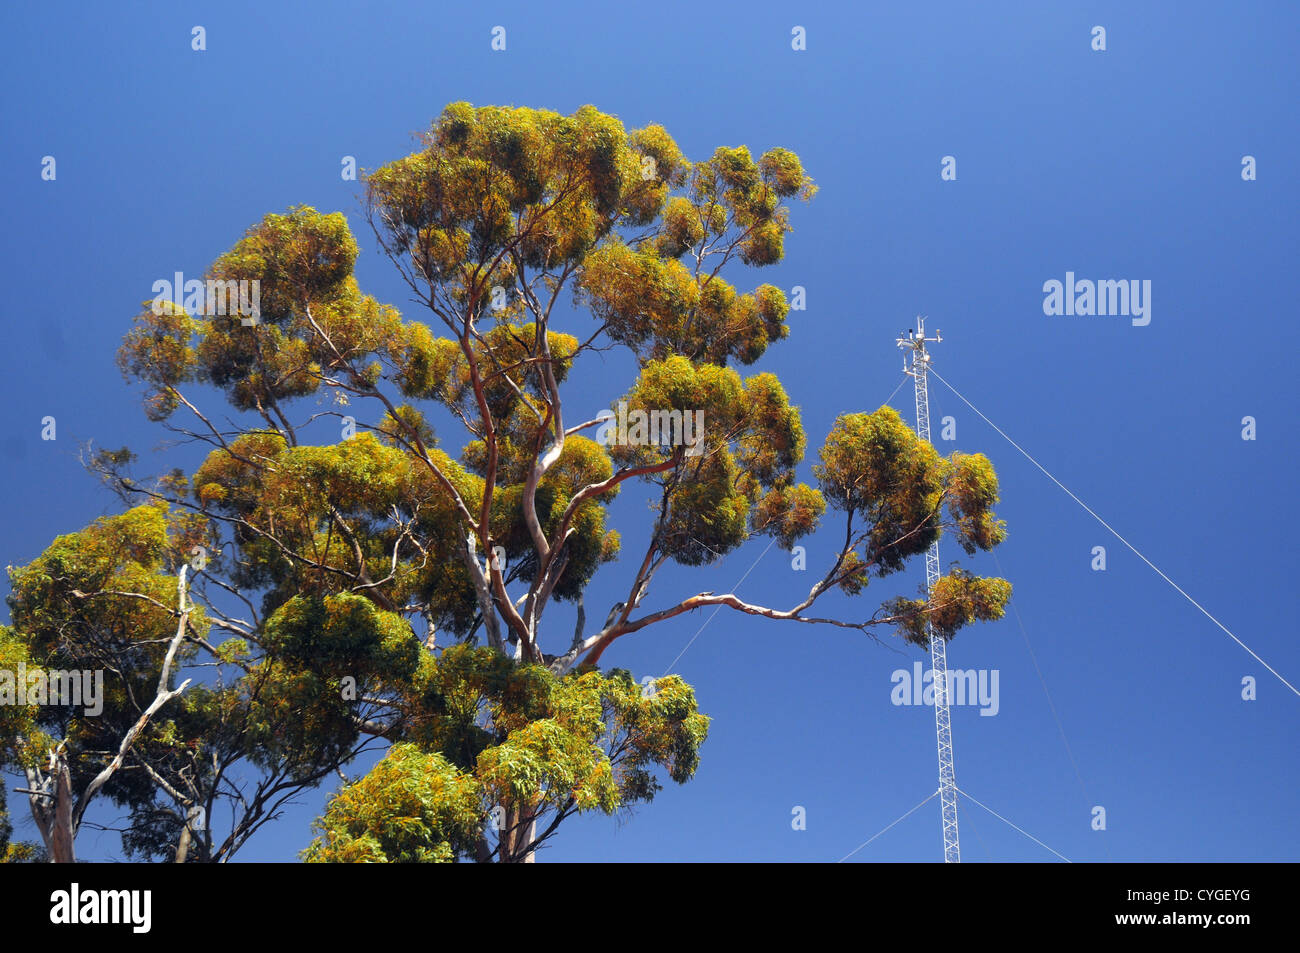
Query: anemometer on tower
915	341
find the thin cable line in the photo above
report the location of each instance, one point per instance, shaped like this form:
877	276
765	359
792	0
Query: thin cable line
1056	715
1043	681
1009	824
1133	548
896	389
900	820
716	610
968	819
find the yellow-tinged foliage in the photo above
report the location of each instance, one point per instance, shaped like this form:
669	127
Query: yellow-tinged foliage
412	807
956	600
875	467
500	219
487	733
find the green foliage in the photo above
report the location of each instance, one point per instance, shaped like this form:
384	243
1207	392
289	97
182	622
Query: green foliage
105	594
310	311
14	852
412	807
485	731
874	467
295	497
956	599
972	491
101	600
22	741
741	478
342	634
348	586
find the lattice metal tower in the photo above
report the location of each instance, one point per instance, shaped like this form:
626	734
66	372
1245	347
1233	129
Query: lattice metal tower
915	342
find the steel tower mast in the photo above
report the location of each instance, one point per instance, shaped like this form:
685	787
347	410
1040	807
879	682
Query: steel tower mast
915	342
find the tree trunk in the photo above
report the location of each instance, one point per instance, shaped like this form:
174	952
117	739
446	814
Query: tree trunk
516	834
526	835
183	842
60	835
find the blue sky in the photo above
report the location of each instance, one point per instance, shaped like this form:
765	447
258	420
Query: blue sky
1117	164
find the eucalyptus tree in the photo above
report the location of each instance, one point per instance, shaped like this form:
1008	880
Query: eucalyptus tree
358	582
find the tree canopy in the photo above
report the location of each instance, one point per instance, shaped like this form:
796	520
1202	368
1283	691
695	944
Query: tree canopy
334	578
